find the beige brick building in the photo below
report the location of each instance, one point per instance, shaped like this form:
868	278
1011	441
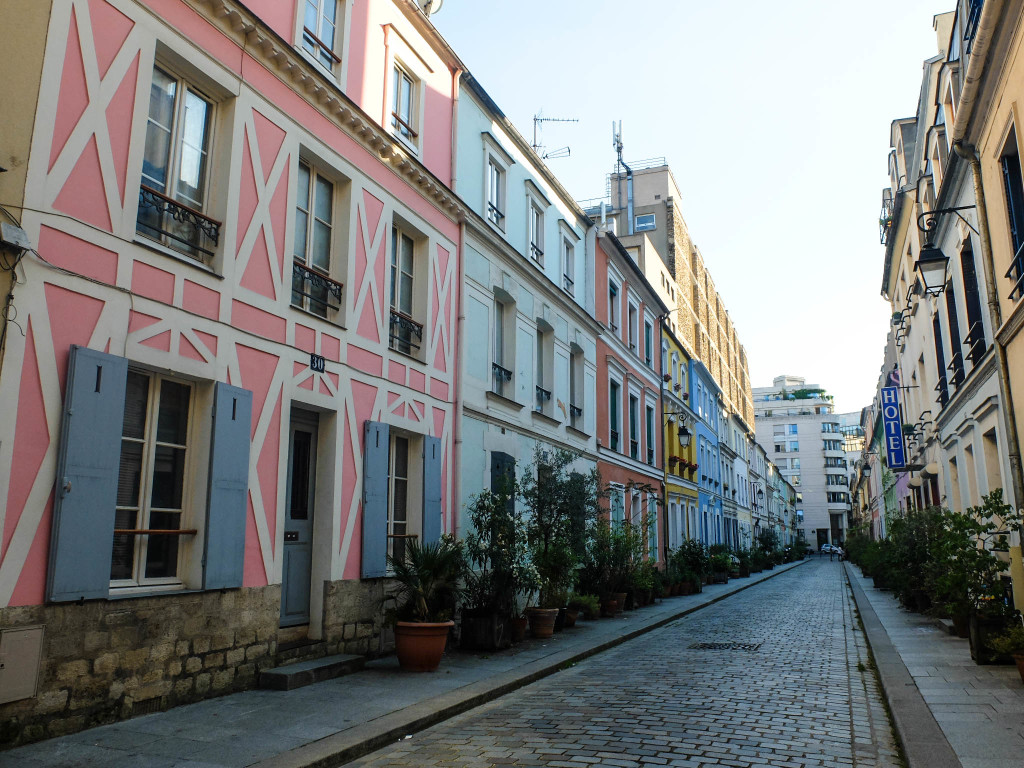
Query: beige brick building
700	320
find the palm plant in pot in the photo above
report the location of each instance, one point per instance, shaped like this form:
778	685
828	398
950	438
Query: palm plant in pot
427	583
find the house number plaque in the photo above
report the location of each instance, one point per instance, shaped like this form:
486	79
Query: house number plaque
317	363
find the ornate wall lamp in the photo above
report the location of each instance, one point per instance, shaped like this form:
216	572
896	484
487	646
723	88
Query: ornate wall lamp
932	263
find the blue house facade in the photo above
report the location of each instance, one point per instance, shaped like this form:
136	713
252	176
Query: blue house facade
705	400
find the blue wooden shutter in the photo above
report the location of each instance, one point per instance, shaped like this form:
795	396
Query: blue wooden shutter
88	462
375	499
226	507
431	489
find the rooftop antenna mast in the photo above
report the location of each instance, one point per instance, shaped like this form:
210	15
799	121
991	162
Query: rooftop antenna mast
538	119
617	143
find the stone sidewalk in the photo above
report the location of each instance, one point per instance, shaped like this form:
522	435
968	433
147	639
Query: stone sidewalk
979	709
339	720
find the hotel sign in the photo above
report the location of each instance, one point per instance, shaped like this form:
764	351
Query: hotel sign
892	427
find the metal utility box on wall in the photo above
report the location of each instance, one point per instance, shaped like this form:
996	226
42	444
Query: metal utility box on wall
20	650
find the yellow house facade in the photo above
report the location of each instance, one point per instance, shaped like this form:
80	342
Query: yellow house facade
679	423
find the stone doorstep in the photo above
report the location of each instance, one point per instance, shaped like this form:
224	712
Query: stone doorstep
304	673
946	625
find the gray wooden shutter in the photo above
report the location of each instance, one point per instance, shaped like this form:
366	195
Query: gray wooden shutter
375	500
88	463
431	490
226	507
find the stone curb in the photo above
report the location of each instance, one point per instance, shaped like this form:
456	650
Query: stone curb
341	748
924	744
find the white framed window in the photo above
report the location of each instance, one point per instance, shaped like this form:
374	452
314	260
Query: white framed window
576	403
406	334
650	436
649	342
614	408
320	32
175	168
634	426
313	289
633	327
404	522
644	222
496	193
153	479
568	257
617	503
613	305
535	222
405	106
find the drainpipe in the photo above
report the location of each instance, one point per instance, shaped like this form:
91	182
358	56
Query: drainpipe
661	403
459	322
970	154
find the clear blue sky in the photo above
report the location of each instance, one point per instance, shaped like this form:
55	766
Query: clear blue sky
775	119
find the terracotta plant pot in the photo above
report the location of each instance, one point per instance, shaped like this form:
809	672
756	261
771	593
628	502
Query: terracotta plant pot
610	608
420	645
519	624
1019	659
620	598
542	621
571	614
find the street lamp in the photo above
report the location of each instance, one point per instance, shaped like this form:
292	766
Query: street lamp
684	436
866	470
932	264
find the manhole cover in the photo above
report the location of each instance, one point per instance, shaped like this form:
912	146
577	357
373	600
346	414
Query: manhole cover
726	646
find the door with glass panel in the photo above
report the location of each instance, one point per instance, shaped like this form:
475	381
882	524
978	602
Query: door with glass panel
298	526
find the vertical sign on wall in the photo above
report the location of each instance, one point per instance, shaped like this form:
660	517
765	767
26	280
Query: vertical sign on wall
893	428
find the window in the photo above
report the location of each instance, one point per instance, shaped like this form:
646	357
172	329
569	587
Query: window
634	331
312	287
404	106
575	394
613	306
791	429
648	343
403	328
495	193
398	497
975	340
613	415
172	195
320	29
536	222
644	222
568	265
794	446
617	503
501	367
543	372
634	427
151	483
649	424
1013	187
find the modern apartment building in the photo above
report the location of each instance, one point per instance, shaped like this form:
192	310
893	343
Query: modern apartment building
796	427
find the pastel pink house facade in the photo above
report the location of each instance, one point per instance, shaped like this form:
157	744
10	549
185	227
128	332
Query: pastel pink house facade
277	116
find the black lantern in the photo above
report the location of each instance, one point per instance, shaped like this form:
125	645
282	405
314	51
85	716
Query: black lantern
932	264
866	470
684	436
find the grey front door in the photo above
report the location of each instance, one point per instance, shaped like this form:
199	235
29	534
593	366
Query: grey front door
298	524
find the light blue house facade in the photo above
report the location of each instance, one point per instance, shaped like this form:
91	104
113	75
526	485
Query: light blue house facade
705	399
528	331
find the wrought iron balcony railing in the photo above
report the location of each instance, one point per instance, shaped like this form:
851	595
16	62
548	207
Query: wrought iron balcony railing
537	253
1016	274
942	390
634	449
402	329
956	368
575	416
502	376
314	290
567	283
543	396
318	48
175	224
493	214
650	456
885	217
975	342
614	440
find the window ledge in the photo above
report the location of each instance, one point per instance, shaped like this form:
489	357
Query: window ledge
155	590
322	319
496	398
153	245
578	432
545	418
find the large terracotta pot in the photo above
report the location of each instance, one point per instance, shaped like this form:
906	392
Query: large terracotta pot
571	614
420	645
519	625
542	621
1019	659
610	608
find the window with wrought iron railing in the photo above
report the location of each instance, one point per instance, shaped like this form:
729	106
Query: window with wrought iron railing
501	378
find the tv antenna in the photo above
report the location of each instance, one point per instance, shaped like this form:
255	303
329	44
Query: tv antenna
538	120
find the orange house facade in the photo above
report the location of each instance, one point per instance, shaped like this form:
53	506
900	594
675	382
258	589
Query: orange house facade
234	392
629	384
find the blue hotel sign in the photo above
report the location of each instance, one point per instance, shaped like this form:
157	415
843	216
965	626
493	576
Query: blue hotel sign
892	427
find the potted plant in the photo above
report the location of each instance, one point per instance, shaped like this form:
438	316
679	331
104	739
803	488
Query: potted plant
427	581
559	502
1011	643
587	606
497	553
720	565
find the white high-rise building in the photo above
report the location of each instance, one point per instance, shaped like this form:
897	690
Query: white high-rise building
795	424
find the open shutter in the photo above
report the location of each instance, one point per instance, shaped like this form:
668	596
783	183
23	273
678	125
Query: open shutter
375	500
224	549
88	462
431	490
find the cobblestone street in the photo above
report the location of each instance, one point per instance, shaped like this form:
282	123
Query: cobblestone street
803	697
